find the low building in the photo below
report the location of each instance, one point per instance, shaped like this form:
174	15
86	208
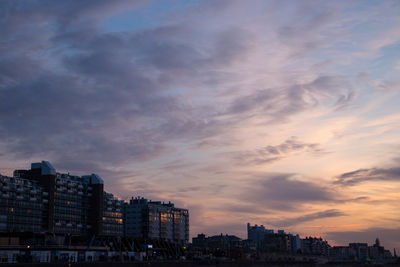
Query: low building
315	246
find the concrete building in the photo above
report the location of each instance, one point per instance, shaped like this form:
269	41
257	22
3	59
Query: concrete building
360	251
257	233
315	246
295	243
156	220
23	205
41	200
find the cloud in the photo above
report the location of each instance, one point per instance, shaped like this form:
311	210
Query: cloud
271	153
118	97
365	175
284	192
121	104
278	104
308	217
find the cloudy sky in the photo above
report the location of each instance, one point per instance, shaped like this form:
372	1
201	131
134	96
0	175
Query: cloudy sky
282	113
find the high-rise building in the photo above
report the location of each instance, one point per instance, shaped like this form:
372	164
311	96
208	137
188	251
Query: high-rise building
41	200
156	220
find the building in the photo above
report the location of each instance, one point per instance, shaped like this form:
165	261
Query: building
360	251
156	220
218	245
112	219
41	200
341	253
277	242
295	243
257	233
315	246
23	205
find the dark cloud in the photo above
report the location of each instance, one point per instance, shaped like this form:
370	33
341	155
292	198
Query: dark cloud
308	217
271	153
117	97
365	175
285	192
389	237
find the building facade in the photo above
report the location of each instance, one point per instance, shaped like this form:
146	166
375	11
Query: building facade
41	200
23	205
156	220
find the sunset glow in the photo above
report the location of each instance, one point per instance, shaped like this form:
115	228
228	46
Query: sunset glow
281	113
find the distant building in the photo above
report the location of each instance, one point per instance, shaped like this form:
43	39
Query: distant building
156	220
341	253
295	243
218	245
257	233
315	246
360	251
278	242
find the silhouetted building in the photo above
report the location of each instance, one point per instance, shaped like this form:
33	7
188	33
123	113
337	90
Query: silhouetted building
156	220
360	251
315	246
256	234
341	253
295	243
278	242
218	245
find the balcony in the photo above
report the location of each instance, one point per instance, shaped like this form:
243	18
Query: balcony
45	193
80	186
69	224
20	197
33	199
20	189
45	201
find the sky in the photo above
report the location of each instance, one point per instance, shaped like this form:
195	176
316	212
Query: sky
281	113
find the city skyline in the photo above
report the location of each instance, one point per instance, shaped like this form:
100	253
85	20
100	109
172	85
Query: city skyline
277	113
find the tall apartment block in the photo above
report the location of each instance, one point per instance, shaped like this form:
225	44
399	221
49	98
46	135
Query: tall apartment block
41	200
156	220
